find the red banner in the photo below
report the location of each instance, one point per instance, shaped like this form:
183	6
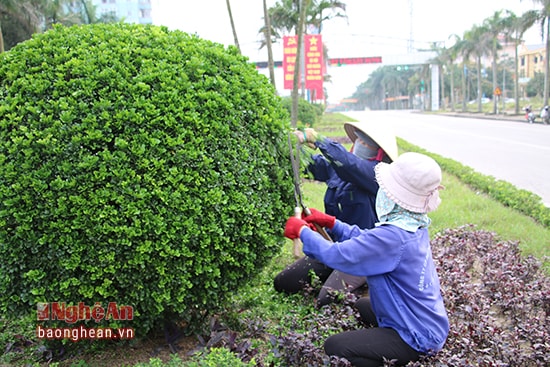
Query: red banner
313	61
290	48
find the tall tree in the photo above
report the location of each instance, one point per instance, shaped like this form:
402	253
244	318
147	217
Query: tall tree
495	26
25	13
64	12
517	27
443	59
452	54
461	48
544	19
27	17
295	84
478	44
235	38
267	36
285	14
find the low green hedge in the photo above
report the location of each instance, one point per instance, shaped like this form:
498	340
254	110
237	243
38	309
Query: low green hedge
507	194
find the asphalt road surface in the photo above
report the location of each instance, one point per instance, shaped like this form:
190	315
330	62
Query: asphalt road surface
512	151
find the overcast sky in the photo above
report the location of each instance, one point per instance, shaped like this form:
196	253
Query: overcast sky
373	28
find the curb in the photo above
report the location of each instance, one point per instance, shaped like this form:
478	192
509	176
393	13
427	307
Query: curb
516	118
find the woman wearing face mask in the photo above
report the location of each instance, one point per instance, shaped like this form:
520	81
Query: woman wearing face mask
350	197
405	314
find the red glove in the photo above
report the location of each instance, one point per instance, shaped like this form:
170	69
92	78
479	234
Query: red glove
293	227
320	218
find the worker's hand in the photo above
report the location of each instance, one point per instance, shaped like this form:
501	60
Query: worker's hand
300	135
320	218
311	135
293	227
307	136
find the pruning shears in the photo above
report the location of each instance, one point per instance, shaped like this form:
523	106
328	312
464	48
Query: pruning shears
300	206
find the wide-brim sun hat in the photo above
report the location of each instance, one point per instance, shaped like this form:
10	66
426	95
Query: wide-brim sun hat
382	135
412	181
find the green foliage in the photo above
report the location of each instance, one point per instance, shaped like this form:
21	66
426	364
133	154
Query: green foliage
535	85
218	357
309	114
139	165
507	194
215	357
16	335
174	361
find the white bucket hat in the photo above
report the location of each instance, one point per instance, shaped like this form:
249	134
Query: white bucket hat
382	135
412	181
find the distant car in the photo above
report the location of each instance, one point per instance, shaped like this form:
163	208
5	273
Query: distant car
483	100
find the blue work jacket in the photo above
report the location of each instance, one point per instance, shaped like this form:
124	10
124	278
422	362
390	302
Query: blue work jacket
351	184
404	287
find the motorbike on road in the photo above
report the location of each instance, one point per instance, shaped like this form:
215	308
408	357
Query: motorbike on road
545	115
529	115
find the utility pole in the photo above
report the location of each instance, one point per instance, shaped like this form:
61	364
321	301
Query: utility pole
410	43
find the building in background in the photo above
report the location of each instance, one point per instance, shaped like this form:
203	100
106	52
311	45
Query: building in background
129	11
531	60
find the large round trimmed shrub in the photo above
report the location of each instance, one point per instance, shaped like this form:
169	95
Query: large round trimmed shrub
140	166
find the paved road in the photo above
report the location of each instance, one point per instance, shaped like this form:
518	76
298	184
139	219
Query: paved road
512	151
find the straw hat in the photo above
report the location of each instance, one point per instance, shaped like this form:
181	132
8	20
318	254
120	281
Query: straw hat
412	181
382	135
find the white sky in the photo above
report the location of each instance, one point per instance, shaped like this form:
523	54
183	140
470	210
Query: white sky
373	28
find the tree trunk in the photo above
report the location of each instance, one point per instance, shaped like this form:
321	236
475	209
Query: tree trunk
267	35
442	80
516	77
479	90
236	39
1	40
495	76
464	95
452	87
298	65
546	62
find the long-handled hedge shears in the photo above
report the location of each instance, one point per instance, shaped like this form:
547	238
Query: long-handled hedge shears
300	206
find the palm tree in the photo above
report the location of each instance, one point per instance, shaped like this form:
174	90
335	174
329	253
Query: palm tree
374	89
452	54
267	37
32	16
285	14
60	12
495	25
478	44
295	84
325	10
461	48
517	27
235	38
544	19
443	60
25	13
